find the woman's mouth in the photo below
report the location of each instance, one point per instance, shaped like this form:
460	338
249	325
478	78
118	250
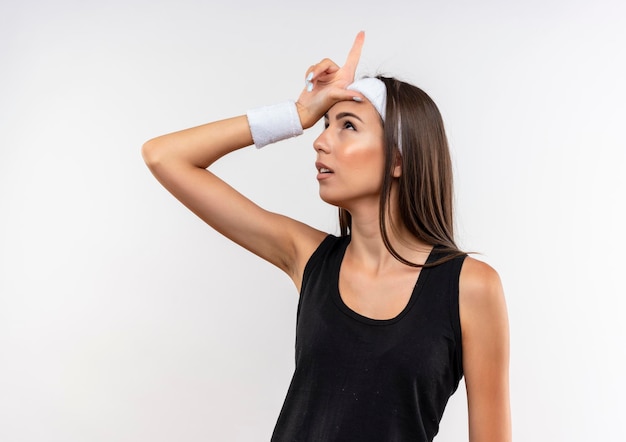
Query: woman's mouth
323	171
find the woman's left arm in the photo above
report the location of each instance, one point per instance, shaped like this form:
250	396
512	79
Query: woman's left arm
485	328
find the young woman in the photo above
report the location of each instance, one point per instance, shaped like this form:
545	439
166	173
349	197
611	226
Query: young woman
391	314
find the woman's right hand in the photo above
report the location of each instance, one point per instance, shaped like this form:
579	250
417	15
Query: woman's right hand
326	85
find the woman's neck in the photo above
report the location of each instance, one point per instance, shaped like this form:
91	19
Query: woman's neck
367	245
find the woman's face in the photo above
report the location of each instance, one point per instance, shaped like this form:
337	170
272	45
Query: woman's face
350	157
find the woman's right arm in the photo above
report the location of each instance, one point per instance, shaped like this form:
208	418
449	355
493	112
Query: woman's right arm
180	160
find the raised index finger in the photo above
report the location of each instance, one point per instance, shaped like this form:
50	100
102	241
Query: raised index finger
355	53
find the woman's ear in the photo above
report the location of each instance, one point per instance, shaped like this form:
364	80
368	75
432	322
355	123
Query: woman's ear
397	168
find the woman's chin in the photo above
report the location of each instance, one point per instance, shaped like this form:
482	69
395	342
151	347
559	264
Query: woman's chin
330	199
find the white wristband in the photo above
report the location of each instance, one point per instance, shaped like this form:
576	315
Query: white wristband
269	124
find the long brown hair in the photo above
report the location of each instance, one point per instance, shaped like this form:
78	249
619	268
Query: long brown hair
425	197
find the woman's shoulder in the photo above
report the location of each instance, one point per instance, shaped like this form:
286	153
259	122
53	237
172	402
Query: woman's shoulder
312	249
480	287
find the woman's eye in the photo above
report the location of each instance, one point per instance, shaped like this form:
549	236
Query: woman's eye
348	125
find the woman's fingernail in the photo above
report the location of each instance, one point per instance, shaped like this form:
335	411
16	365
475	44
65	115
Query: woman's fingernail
309	86
309	77
359	99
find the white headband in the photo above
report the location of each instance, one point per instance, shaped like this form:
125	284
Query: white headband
374	90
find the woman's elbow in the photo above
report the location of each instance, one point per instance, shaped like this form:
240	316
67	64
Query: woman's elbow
152	153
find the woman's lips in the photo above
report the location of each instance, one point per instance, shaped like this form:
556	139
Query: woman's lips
323	171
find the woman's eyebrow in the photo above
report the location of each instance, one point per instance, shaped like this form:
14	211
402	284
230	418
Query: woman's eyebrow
341	115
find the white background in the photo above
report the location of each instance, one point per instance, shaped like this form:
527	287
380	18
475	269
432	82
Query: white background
124	318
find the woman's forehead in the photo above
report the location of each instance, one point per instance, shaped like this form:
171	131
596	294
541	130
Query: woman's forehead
363	109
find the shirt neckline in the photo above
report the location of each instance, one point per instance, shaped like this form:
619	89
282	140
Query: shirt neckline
343	307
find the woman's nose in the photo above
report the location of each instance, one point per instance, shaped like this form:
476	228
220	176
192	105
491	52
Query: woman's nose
321	143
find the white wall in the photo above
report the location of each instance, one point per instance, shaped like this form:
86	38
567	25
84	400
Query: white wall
124	318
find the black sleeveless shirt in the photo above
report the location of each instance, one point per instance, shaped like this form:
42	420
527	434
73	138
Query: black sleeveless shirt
361	379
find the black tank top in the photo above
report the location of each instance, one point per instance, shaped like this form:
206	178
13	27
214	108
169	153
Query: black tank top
361	379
